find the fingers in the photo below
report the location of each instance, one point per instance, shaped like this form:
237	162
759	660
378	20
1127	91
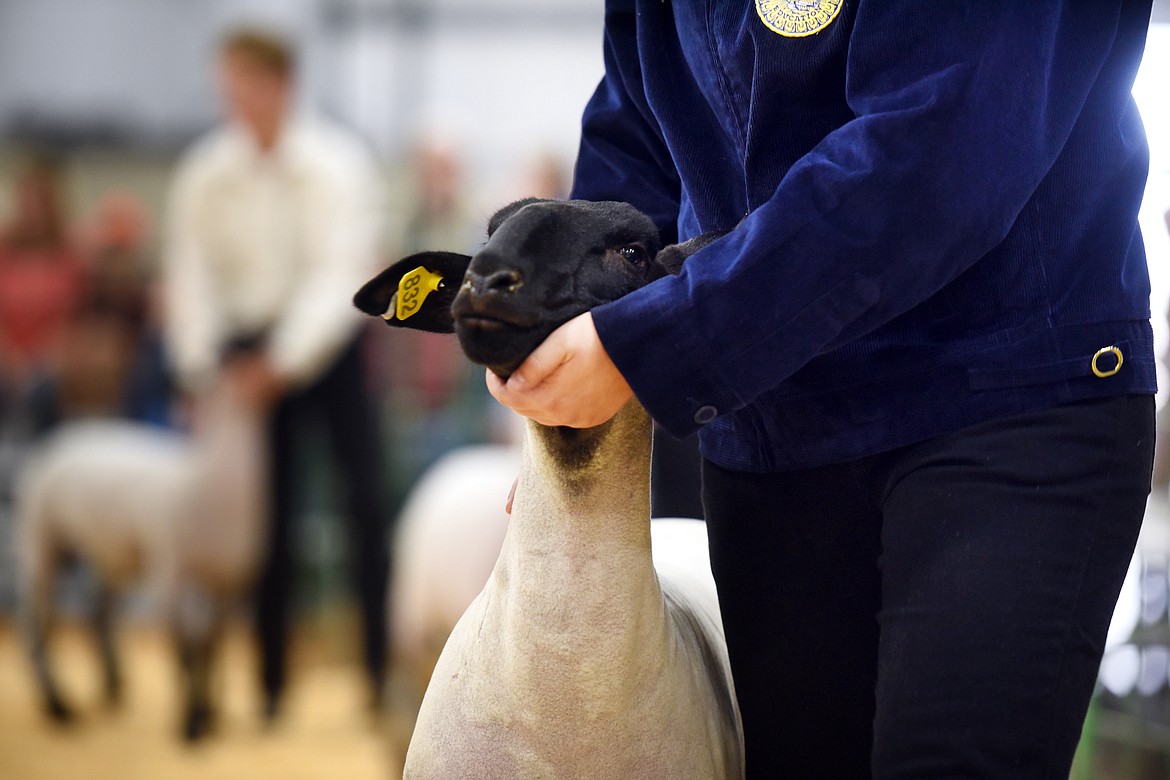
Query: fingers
495	385
530	390
544	360
569	380
541	403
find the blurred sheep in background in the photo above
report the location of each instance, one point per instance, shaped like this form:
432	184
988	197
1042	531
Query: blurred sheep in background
138	504
447	540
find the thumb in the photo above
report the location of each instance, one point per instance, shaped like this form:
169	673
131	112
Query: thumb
511	496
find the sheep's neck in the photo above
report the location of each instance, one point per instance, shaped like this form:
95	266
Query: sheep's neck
576	568
583	491
229	507
570	663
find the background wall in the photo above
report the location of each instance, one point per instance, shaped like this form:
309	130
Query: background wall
501	80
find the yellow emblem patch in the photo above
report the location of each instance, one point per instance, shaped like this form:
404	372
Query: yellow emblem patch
797	18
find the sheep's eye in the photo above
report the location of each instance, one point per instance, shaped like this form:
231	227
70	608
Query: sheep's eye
635	254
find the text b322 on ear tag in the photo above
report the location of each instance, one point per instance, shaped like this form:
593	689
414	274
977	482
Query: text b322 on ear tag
413	289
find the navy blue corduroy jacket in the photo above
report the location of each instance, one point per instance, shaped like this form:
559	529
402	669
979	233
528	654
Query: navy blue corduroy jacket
934	209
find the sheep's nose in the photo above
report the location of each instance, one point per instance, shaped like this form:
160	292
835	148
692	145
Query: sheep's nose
500	282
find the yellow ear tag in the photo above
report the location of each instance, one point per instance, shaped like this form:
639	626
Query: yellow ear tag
413	289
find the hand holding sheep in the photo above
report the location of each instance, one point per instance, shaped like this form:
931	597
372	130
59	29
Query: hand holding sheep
568	380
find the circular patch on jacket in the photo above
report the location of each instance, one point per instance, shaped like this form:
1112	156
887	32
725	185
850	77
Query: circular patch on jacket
797	18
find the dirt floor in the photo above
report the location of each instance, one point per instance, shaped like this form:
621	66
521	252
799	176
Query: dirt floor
324	732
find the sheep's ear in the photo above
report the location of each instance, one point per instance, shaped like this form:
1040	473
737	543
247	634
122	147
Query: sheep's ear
507	211
416	292
672	257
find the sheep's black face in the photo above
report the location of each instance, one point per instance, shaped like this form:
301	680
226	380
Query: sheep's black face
544	263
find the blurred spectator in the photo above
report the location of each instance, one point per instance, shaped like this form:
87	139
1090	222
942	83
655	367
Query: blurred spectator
439	219
116	244
436	399
108	355
548	177
41	280
98	350
121	285
273	226
439	216
543	175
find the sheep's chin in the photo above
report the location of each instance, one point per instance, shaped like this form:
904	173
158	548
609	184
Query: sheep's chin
500	347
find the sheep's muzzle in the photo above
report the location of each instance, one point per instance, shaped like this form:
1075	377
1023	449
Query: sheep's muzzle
498	324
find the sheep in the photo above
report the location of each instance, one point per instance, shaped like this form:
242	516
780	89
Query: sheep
445	546
592	651
140	503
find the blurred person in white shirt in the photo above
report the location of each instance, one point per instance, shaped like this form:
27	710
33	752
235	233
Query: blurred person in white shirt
274	222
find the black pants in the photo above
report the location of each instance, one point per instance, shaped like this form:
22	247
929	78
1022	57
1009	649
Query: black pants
675	467
936	611
340	399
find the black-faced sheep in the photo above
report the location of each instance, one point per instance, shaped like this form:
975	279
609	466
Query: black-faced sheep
586	654
137	503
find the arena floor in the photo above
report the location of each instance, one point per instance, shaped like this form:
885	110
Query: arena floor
324	732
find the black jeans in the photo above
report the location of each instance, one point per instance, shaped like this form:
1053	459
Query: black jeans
936	611
340	399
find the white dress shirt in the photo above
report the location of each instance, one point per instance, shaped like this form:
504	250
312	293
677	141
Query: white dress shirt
274	242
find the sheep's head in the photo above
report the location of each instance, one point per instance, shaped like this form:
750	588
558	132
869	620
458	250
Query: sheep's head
544	263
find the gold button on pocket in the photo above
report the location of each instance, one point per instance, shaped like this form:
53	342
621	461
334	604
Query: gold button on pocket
1107	372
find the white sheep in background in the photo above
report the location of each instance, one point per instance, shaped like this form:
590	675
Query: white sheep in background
137	503
448	537
591	652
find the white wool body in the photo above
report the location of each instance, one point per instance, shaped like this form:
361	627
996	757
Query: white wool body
588	653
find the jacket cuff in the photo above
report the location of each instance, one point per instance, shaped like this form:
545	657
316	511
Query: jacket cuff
662	358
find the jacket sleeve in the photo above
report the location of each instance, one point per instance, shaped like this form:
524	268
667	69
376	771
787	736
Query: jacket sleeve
958	115
623	155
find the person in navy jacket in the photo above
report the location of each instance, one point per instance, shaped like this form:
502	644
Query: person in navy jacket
920	362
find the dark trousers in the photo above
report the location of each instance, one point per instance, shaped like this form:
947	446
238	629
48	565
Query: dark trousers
936	611
340	400
675	469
